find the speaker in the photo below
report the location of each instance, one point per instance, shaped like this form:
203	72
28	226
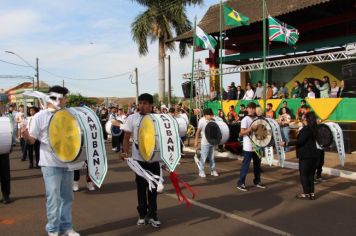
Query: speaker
186	89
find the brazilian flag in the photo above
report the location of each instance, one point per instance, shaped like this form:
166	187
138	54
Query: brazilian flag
233	18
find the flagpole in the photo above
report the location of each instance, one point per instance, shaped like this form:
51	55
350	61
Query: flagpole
192	76
220	61
264	53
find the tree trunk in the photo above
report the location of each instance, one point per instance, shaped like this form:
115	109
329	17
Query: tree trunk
161	72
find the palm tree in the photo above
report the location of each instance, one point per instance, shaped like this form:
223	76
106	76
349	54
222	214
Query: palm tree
161	18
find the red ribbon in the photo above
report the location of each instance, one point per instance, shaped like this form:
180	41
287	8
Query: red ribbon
176	180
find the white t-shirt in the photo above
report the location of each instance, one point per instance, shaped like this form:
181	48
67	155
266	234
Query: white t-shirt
201	125
247	143
311	94
131	125
274	92
39	130
259	92
19	117
333	92
249	95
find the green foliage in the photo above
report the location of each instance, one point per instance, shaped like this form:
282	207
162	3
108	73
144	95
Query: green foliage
174	100
76	100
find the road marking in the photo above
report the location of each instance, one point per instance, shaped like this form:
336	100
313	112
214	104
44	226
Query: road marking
234	216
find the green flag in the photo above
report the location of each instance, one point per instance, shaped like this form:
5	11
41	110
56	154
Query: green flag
203	40
233	18
279	31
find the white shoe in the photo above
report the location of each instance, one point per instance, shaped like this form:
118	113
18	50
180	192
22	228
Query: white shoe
75	186
214	173
202	174
70	232
53	234
91	186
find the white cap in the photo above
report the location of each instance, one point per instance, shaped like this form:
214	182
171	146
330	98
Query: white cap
163	106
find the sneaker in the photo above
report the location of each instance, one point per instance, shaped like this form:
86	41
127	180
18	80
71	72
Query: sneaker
53	234
202	174
70	232
214	173
319	179
154	222
242	187
75	186
114	149
260	186
141	221
91	186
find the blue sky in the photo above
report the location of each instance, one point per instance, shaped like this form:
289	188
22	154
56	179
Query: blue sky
84	39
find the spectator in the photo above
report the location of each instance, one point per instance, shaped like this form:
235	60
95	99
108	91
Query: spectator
269	91
231	93
340	93
284	105
283	91
334	89
274	90
284	121
303	109
221	115
242	113
233	87
304	88
232	116
324	89
296	90
249	95
269	111
240	93
311	93
259	90
213	95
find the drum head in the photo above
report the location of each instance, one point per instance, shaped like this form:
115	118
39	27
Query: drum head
324	136
65	136
146	138
213	133
262	133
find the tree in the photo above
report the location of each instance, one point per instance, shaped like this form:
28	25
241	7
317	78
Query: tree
77	100
161	18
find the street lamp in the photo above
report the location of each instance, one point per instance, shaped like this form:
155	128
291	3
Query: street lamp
29	64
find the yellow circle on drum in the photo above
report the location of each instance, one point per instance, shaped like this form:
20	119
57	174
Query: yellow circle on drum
146	138
65	136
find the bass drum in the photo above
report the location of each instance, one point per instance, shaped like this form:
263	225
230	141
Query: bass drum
324	136
113	130
261	133
5	135
182	126
217	132
65	136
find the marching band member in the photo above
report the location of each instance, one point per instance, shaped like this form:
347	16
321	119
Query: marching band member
248	151
57	177
207	150
147	200
5	177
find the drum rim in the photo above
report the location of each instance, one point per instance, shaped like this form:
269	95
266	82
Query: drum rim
11	132
81	137
250	136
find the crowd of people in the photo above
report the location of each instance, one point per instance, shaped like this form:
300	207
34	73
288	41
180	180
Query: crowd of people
310	88
60	183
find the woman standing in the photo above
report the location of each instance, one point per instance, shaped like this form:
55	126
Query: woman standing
325	88
307	154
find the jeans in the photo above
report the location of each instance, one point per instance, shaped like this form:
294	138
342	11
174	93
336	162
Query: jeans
14	134
207	152
246	165
285	136
59	194
306	173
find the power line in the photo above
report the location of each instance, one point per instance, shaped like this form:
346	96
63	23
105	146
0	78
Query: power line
7	62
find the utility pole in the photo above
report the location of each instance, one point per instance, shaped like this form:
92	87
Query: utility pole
37	75
136	82
62	83
169	82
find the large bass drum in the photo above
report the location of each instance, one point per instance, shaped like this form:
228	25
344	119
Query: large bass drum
217	132
261	134
112	129
182	126
324	136
150	136
5	135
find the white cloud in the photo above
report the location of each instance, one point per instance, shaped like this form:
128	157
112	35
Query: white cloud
18	22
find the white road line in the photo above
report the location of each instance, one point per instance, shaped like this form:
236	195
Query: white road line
235	217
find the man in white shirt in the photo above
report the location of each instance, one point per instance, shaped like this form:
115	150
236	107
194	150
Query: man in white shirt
259	91
57	177
147	199
274	91
207	150
248	151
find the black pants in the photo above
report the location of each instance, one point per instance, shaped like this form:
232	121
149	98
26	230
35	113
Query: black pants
105	135
35	147
306	172
147	200
320	163
5	174
117	141
77	175
23	145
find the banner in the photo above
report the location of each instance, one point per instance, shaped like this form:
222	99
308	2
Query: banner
339	140
269	155
93	142
277	137
169	141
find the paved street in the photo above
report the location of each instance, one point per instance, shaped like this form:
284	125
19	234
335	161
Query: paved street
219	208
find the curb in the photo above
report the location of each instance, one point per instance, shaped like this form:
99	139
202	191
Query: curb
287	164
